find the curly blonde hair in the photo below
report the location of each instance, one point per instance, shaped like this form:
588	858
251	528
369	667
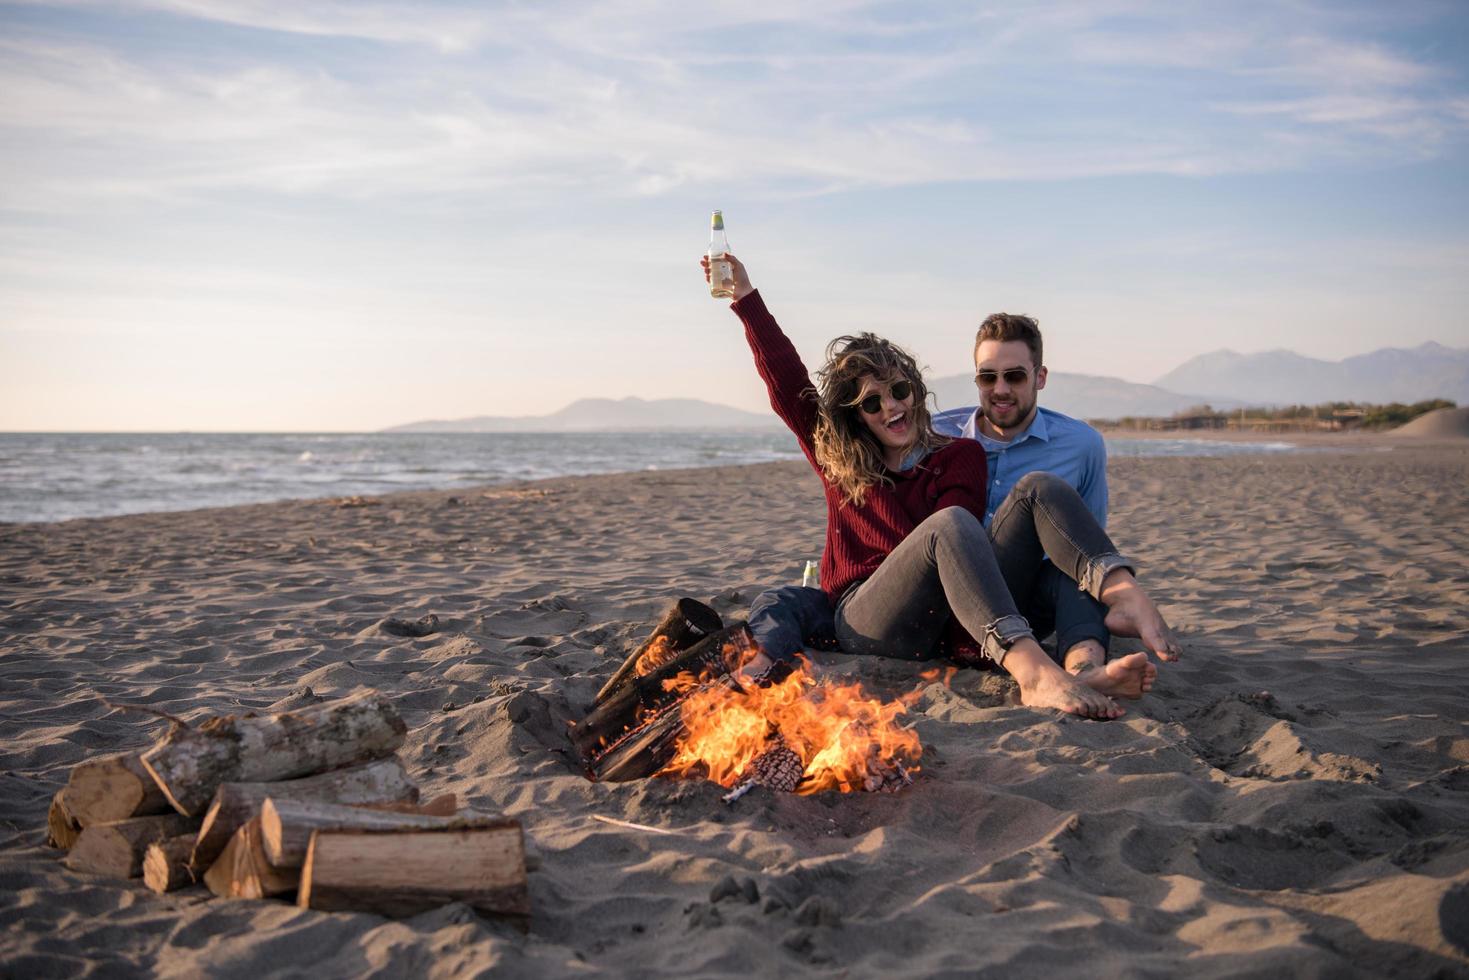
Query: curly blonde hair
848	453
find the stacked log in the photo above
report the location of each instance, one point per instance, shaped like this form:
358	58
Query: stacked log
113	787
381	781
190	809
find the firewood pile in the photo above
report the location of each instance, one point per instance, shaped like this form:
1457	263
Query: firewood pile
311	802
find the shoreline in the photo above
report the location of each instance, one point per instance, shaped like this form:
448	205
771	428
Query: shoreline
1341	442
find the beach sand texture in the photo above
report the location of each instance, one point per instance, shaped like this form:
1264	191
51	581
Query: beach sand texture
1292	800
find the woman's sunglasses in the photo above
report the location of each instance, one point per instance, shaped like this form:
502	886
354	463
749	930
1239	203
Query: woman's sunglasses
872	404
1014	377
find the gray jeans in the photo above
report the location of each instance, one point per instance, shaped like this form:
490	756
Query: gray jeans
950	567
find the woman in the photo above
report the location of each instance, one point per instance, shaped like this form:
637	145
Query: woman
906	554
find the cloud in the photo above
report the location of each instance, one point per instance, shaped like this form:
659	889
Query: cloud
625	99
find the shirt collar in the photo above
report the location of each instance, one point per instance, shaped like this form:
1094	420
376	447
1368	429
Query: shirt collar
1038	429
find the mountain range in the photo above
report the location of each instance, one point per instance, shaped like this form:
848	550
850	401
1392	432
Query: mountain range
1282	377
1224	379
610	415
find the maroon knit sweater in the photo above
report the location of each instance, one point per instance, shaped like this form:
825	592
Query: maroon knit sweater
859	537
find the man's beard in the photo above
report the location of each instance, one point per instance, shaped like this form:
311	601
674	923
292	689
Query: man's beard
1012	415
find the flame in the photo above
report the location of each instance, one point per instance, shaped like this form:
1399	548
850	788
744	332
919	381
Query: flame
845	738
659	652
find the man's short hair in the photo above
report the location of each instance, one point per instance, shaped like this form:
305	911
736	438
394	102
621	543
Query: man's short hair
1011	326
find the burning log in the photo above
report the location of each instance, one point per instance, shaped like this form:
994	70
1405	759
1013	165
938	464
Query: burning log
685	623
116	849
402	873
243	870
643	695
166	863
191	763
286	826
382	781
641	752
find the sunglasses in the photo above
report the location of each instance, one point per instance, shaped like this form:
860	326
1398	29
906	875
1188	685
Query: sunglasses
1013	377
872	404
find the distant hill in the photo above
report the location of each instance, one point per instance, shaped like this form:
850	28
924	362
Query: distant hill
1084	396
610	415
1282	377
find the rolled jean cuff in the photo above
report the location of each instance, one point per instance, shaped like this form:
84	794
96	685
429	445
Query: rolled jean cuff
1002	634
1098	568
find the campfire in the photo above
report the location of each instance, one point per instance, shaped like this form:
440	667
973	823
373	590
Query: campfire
675	708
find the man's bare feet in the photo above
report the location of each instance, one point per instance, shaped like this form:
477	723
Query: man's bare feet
1128	677
1131	613
1045	685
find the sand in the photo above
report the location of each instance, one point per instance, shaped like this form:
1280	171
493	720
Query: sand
1442	423
1293	799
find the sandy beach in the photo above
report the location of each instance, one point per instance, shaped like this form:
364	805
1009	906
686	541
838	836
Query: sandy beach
1292	799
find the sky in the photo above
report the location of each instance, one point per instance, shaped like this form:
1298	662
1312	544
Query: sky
248	215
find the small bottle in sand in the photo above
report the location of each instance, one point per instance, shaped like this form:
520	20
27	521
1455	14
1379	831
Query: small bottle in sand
721	279
811	578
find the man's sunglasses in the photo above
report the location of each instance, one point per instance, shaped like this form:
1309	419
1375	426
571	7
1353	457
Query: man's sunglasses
872	404
1013	377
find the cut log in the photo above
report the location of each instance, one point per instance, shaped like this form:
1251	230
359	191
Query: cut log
242	871
116	848
383	781
113	787
190	764
443	805
166	864
402	873
685	623
624	711
286	826
62	828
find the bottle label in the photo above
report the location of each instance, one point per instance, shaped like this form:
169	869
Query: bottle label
717	221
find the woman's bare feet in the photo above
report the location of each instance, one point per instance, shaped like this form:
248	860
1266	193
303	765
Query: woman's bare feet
1131	613
1045	685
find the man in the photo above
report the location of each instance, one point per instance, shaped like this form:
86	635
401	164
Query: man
1020	438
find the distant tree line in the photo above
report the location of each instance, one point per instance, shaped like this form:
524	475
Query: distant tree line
1328	415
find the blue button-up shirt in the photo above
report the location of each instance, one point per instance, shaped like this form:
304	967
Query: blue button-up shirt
1053	442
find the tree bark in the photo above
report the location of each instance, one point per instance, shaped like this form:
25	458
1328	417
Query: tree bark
684	623
382	781
242	871
116	849
166	864
286	826
190	764
62	828
402	873
113	787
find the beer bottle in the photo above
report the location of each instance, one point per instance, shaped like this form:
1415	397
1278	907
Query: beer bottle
721	278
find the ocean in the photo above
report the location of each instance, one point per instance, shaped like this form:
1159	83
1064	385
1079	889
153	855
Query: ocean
59	476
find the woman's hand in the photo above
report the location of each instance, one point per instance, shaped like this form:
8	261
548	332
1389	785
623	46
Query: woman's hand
739	275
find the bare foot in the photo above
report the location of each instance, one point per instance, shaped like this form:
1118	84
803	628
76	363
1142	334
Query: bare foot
1044	685
1128	677
1131	613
